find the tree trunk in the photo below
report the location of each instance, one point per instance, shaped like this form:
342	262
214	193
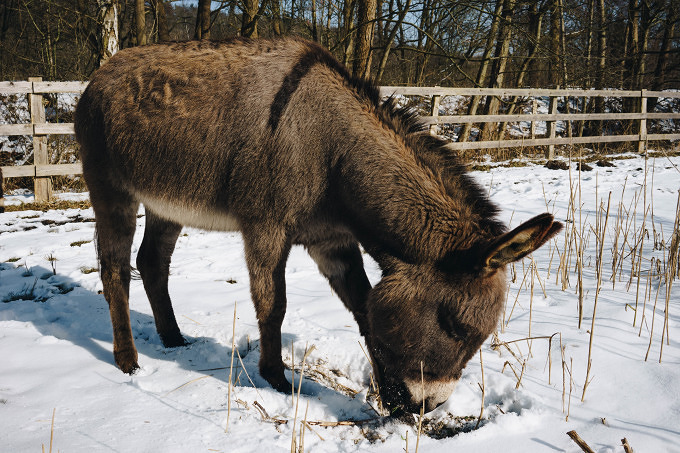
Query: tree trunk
633	33
161	17
202	30
251	14
483	68
497	76
140	22
554	44
601	60
535	29
664	51
315	31
277	26
108	21
390	39
347	36
364	39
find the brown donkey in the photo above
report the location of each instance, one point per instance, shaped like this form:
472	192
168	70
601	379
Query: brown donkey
276	140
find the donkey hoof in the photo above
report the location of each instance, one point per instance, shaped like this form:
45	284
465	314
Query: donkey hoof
127	361
277	380
173	340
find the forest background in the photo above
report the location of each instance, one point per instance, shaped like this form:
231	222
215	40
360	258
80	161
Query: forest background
617	44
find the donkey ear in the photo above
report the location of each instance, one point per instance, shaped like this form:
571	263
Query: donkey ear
521	241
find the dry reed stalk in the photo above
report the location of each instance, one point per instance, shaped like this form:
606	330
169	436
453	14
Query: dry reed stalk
505	306
647	296
531	301
292	373
187	383
563	268
301	447
670	273
482	387
231	368
293	444
643	231
651	331
580	251
373	384
54	411
598	269
247	375
626	446
580	442
571	386
564	364
617	231
519	291
422	408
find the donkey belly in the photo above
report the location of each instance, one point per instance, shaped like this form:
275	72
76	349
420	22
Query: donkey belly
190	213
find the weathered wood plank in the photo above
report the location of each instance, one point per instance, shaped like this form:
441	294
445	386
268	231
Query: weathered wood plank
539	92
459	119
59	169
541	142
15	87
18	171
656	137
53	128
59	87
16	129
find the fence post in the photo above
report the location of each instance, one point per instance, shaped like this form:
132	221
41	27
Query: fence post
434	112
42	185
534	110
642	141
2	193
552	127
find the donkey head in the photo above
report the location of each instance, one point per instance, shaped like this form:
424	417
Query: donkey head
427	320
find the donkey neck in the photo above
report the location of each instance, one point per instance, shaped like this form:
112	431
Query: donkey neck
398	204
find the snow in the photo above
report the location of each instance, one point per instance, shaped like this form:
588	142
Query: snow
55	341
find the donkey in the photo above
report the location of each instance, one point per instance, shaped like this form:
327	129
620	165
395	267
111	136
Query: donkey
275	139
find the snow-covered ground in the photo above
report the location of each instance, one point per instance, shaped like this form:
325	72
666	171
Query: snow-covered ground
55	340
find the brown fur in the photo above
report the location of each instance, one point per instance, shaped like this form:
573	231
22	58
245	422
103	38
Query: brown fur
274	138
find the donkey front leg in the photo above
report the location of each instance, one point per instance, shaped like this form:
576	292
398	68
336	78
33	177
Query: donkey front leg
115	227
341	263
266	255
153	262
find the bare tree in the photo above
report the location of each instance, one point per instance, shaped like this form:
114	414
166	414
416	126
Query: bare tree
202	29
140	22
108	22
162	21
389	41
483	67
364	38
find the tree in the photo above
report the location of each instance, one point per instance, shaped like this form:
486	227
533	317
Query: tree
108	22
140	22
202	29
364	38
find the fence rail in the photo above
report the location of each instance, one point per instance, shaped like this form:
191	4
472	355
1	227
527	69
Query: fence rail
39	128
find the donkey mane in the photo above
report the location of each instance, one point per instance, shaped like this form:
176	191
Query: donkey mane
430	151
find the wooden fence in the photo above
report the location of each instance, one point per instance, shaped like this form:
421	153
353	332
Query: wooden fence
39	129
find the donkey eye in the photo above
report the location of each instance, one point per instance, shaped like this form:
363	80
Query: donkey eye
449	322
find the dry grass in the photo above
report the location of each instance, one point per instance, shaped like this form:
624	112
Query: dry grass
50	205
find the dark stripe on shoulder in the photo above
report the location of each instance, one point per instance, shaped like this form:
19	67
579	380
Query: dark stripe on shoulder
314	55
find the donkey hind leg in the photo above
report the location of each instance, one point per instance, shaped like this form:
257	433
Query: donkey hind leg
115	228
341	263
266	255
153	262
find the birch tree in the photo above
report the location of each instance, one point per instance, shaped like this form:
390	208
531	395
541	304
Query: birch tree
108	23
